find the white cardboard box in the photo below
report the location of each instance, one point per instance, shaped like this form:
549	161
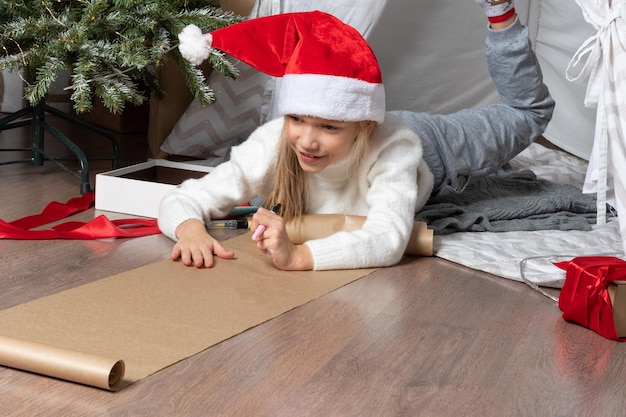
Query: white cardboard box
138	189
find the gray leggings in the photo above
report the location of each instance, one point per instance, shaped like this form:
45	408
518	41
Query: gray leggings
477	142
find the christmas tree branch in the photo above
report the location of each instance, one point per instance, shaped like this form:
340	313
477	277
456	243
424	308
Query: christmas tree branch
110	49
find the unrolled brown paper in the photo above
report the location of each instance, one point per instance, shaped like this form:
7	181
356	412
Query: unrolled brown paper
154	316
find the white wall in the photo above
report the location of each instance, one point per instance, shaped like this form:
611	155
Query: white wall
432	55
11	92
432	58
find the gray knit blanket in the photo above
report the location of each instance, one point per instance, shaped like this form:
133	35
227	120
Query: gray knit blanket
510	201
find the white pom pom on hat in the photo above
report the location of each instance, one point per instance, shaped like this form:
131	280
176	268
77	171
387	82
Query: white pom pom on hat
193	45
328	70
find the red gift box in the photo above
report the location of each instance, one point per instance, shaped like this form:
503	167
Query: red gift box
585	298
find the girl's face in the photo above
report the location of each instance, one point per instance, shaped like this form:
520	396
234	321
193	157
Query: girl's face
319	142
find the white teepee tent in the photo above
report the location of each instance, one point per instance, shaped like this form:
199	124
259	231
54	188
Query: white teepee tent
601	60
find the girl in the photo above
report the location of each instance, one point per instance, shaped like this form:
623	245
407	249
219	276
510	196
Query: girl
336	150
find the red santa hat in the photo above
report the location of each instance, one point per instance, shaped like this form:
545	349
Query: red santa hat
328	70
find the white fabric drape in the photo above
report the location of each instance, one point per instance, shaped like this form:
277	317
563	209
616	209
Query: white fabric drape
602	59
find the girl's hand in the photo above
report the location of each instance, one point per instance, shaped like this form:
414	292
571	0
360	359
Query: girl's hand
196	247
275	242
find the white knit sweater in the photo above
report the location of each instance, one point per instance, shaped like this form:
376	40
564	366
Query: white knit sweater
391	183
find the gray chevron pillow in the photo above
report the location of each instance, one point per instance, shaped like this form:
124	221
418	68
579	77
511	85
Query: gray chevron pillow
209	132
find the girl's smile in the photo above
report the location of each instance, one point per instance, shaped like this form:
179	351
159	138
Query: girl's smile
319	142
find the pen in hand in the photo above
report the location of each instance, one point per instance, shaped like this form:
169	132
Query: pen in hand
261	228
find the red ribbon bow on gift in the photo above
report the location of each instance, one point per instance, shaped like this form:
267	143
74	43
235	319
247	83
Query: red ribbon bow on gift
98	228
584	298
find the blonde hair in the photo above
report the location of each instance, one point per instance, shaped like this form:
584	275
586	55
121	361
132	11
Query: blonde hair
290	184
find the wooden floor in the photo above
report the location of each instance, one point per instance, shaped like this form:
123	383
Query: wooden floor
423	338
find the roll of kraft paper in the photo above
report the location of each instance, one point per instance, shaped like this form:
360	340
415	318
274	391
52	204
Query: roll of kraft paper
316	226
61	363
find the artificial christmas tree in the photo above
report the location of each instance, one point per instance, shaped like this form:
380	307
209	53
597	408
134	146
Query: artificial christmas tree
112	51
110	48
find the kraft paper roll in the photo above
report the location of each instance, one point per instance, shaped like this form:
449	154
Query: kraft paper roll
315	226
79	367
